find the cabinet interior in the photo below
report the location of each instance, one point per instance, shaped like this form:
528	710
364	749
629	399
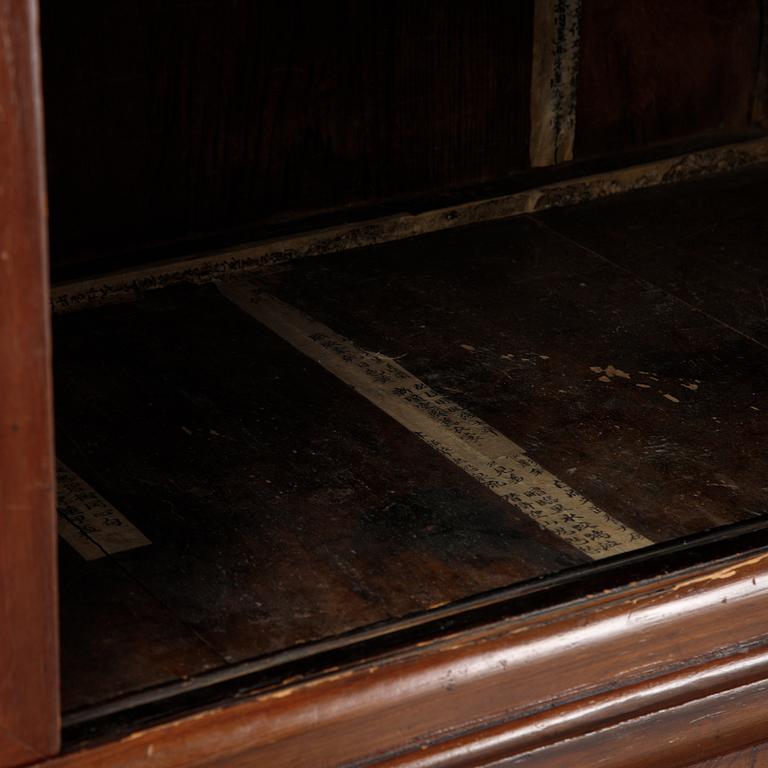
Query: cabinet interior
280	471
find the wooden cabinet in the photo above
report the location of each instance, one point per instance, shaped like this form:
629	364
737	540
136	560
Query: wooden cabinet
410	390
29	723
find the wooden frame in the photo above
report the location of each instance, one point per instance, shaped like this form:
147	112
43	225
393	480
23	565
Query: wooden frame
670	669
29	727
652	674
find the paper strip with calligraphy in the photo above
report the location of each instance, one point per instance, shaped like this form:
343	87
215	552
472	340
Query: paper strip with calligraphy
88	522
470	443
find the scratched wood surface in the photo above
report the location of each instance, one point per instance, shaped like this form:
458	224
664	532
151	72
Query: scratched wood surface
116	637
647	405
29	707
752	757
283	508
704	243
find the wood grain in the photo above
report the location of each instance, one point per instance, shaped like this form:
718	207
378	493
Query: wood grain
689	647
115	637
653	71
556	50
751	757
174	119
698	729
28	619
680	716
283	509
273	254
642	404
704	243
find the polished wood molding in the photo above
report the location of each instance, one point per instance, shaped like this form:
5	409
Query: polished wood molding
580	732
686	643
28	618
702	729
755	756
13	752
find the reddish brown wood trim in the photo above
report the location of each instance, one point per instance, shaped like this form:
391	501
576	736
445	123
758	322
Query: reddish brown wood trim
623	708
28	621
650	647
13	752
755	756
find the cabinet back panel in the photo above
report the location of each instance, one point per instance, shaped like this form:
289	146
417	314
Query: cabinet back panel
188	117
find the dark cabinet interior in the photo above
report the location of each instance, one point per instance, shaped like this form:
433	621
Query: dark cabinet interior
458	381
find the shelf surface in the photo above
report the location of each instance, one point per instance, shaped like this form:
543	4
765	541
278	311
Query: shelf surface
615	351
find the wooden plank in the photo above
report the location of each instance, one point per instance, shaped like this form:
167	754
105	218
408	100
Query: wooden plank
702	242
283	509
652	71
273	254
640	403
28	615
523	334
197	118
684	653
556	50
473	445
116	638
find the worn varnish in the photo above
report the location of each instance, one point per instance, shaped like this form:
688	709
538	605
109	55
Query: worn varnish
29	672
283	508
644	405
752	757
704	243
655	673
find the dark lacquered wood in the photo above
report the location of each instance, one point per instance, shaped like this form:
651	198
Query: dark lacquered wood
173	119
115	637
282	507
519	324
682	655
179	410
701	728
305	116
751	757
653	71
703	242
28	619
612	730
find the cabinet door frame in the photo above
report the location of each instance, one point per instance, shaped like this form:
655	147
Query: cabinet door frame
687	652
29	676
666	671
